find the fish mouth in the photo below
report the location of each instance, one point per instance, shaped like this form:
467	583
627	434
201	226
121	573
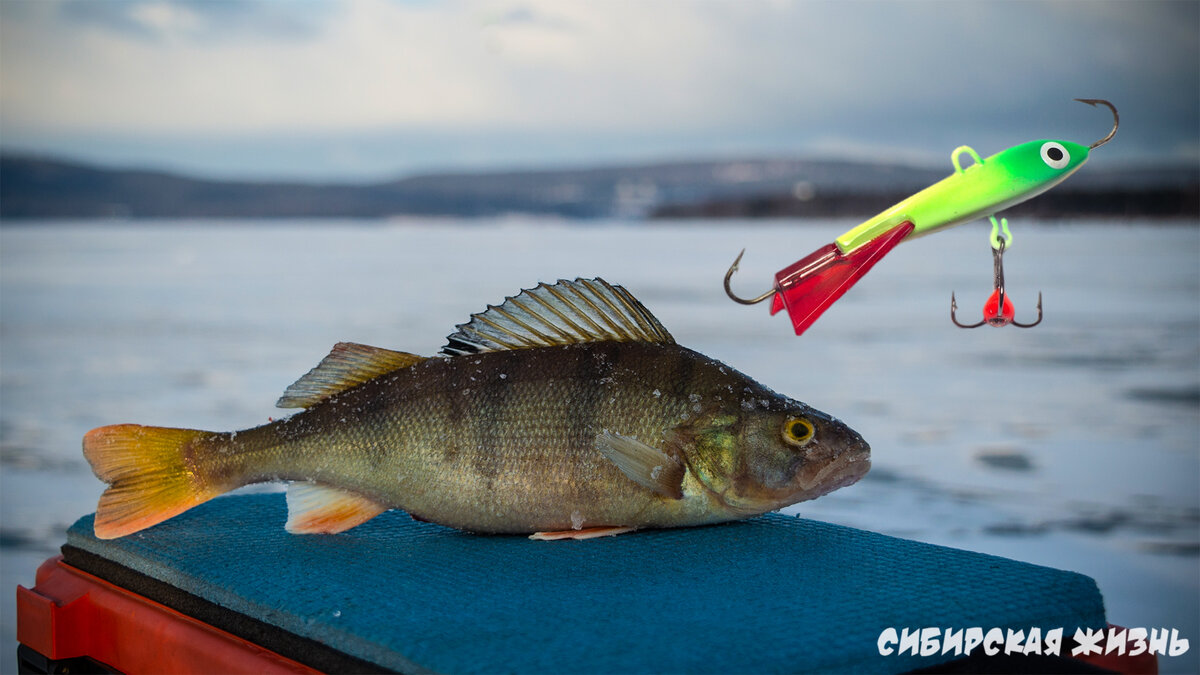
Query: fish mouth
839	473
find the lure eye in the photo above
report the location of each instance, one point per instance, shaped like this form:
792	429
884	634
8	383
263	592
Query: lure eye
1055	155
798	431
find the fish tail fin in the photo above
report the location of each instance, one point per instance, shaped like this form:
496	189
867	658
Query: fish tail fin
151	472
810	286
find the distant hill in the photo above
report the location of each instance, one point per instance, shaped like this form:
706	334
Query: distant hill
1064	202
33	187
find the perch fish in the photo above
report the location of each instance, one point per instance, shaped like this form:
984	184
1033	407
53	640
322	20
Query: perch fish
568	411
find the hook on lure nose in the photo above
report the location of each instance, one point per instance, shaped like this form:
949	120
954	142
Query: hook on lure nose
998	310
729	291
1116	119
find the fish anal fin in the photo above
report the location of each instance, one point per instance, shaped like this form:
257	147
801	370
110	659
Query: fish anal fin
584	533
314	508
811	285
565	313
644	464
349	364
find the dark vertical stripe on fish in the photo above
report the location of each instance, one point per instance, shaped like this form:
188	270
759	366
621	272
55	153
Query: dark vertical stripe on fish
592	368
457	413
685	371
495	391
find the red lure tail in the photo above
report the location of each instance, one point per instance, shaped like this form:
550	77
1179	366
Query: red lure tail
809	286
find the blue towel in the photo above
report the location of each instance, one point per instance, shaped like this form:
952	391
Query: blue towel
772	594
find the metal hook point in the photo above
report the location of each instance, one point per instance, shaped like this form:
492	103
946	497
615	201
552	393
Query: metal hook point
1116	119
729	291
1039	319
954	308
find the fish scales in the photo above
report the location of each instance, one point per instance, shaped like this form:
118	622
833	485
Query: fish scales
470	446
609	432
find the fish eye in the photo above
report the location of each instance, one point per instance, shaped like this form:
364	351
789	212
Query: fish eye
798	431
1055	155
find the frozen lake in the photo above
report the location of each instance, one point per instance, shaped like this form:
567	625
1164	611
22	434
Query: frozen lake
1075	444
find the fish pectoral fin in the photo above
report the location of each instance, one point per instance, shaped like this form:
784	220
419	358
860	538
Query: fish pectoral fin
645	465
314	508
584	533
349	364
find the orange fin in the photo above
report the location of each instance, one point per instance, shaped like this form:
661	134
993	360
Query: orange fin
320	509
348	365
151	473
585	533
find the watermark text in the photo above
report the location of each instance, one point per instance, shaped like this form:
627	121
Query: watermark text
933	641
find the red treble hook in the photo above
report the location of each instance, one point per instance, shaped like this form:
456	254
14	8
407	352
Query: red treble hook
998	310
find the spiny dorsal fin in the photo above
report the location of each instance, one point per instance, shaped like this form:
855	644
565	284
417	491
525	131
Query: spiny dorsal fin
348	365
567	313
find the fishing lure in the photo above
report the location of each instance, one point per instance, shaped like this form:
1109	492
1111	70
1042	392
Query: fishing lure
998	310
811	285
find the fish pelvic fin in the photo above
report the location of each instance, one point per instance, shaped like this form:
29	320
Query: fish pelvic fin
151	473
348	365
314	508
583	533
643	464
565	313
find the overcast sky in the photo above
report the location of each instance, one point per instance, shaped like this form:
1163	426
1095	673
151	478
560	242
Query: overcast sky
379	88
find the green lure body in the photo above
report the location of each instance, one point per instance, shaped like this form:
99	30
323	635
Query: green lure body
978	190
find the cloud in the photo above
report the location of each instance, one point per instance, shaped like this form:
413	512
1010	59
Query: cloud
194	19
751	75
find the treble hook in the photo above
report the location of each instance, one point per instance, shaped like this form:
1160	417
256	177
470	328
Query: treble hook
1116	119
729	291
998	310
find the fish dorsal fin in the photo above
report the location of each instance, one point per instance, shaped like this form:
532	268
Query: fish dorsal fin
348	364
314	508
566	313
